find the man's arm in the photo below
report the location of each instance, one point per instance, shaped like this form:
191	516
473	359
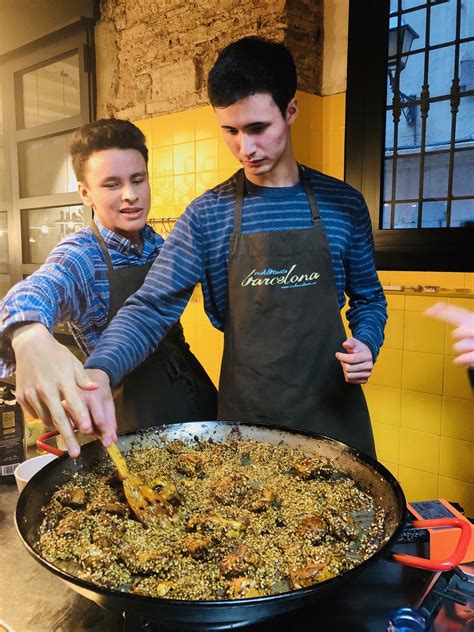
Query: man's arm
46	371
367	313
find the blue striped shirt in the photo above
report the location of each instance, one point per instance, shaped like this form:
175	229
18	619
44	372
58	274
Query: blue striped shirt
72	286
197	250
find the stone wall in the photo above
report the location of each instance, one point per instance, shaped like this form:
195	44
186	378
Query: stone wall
153	57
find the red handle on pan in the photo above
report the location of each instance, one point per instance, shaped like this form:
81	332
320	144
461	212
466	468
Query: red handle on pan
42	445
450	562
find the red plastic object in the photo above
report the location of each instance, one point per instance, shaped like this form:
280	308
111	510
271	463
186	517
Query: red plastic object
42	445
450	562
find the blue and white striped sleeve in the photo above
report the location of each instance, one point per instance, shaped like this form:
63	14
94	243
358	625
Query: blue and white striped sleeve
147	315
52	294
367	313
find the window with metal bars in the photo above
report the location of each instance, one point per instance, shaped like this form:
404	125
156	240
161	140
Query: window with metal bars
410	129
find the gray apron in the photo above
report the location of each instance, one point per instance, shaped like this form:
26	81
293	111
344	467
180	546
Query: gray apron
282	328
170	385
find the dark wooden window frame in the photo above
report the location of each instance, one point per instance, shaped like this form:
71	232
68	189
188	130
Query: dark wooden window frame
407	249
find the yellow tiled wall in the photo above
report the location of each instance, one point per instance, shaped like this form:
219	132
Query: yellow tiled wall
420	403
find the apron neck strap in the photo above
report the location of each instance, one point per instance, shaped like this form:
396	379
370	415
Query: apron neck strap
239	196
101	242
306	182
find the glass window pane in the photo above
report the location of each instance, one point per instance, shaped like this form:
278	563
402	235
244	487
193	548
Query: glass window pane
406	215
466	65
410	4
464	125
411	77
438	126
3	177
463	175
51	93
441	71
462	213
387	182
417	21
443	23
42	229
408	177
1	109
433	215
386	213
45	166
5	284
389	132
393	6
3	237
436	175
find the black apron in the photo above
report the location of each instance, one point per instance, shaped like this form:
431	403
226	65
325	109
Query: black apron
282	328
170	385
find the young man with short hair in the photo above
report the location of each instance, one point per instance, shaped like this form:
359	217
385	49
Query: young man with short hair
85	281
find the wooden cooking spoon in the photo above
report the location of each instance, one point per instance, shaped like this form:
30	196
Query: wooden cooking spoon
148	506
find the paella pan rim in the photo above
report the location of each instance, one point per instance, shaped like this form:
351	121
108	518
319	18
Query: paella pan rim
138	601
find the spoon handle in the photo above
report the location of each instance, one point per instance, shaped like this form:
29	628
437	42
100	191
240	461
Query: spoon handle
119	461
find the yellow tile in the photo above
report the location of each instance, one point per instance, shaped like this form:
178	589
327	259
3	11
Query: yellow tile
384	404
317	110
466	303
333	146
301	146
469	281
421	411
394	329
384	276
395	301
145	126
161	131
184	189
206	155
225	158
447	280
387	440
419	450
183	124
225	174
456	459
423	333
303	120
316	147
388	368
456	381
210	343
417	485
335	170
206	180
423	372
454	490
391	467
335	111
163	161
206	123
408	278
457	419
183	158
162	191
421	303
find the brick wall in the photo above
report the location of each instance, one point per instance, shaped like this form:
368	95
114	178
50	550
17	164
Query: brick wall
153	57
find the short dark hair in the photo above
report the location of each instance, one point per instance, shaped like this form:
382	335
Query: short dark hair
251	65
104	134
